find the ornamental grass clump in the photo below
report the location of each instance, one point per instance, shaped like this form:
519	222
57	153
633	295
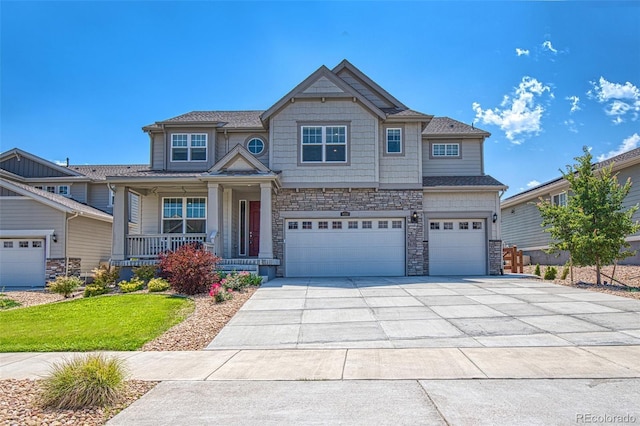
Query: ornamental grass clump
64	285
130	286
89	381
190	269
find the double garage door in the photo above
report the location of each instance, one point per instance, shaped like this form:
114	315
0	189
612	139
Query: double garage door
22	262
345	247
457	247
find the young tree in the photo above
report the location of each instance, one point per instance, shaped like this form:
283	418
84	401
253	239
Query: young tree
593	225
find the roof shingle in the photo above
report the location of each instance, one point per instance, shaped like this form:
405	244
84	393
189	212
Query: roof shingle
229	119
449	126
100	172
485	180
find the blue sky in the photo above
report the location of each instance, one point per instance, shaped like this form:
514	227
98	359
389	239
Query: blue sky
80	79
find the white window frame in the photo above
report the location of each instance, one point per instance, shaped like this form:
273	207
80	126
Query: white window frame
264	146
559	199
190	147
67	193
184	217
447	147
324	144
112	198
399	129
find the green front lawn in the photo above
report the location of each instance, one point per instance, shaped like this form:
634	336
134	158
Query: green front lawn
122	322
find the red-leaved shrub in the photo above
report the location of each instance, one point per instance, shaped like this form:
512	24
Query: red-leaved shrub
190	269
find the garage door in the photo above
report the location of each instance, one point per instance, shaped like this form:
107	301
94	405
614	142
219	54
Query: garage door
337	248
22	263
457	247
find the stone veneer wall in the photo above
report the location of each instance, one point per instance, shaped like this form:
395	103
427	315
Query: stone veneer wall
55	267
425	268
495	257
337	200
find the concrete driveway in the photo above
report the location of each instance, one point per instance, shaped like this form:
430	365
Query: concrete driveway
420	312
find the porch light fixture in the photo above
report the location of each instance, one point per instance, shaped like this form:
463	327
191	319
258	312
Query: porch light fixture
495	217
414	217
54	237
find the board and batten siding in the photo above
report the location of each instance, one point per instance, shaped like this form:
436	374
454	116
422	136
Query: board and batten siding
158	150
405	167
150	214
633	197
361	143
522	227
30	169
78	191
25	214
469	163
89	240
462	203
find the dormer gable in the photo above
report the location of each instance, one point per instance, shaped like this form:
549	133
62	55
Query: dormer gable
368	88
27	165
239	160
323	83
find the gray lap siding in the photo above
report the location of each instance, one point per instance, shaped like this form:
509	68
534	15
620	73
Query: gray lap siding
355	201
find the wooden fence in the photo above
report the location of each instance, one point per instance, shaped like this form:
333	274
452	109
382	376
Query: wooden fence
513	260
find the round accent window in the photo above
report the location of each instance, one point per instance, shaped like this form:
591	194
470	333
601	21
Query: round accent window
255	146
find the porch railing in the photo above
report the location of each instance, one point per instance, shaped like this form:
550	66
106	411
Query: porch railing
150	246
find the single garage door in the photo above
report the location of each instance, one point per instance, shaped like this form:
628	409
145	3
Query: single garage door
457	247
22	263
345	247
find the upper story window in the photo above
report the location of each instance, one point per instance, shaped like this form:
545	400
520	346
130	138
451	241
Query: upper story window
189	147
60	189
184	215
560	199
324	144
255	146
394	141
445	150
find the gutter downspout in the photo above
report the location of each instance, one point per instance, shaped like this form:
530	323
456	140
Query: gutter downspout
66	243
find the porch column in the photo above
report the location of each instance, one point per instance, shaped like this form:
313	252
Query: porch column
214	218
120	223
266	238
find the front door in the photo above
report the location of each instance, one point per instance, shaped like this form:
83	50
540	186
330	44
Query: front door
254	228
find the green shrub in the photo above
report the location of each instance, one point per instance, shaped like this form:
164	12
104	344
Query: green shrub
158	284
565	272
64	285
550	273
238	281
537	270
145	272
94	289
130	286
94	380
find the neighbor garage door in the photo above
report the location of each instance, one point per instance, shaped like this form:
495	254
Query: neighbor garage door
345	247
22	263
457	247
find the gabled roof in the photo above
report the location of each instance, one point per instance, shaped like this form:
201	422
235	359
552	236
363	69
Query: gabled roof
224	119
461	181
325	72
445	126
367	81
619	161
17	152
100	172
56	201
242	159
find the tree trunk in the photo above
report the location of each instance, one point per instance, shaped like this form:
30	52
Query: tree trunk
571	268
598	280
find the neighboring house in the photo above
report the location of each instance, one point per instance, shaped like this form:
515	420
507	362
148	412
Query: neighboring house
54	220
521	221
337	178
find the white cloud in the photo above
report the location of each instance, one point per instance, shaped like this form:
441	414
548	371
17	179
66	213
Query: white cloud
546	45
521	52
571	125
632	142
60	163
533	183
575	103
519	114
620	98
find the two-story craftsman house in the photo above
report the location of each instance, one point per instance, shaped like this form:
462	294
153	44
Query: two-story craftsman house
337	178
